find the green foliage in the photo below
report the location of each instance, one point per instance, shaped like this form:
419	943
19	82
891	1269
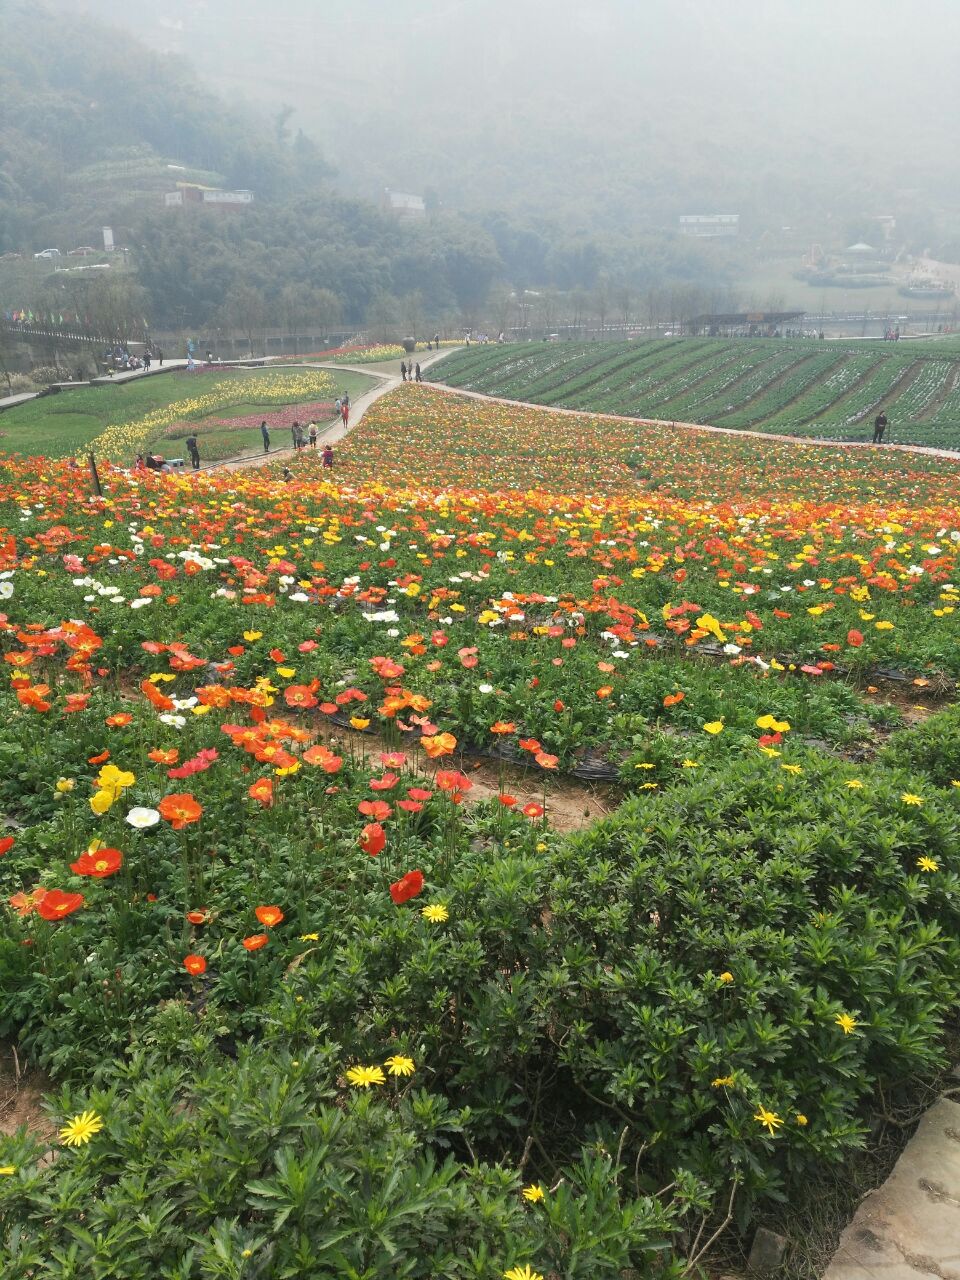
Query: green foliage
254	1169
765	385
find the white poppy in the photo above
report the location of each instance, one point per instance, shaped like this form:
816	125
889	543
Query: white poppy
141	818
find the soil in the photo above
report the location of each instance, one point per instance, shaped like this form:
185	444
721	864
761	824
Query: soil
22	1087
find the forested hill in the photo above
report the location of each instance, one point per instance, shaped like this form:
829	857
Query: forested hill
94	128
89	115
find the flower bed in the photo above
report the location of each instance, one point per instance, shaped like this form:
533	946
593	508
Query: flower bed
284	970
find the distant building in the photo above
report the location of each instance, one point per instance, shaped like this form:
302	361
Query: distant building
710	224
192	193
403	205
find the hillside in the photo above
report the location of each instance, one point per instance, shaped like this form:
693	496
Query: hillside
609	117
802	387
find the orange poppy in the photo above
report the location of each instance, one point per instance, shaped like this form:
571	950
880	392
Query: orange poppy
378	809
195	965
180	810
268	916
262	790
255	941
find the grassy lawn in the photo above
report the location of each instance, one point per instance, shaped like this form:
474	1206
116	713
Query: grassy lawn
57	426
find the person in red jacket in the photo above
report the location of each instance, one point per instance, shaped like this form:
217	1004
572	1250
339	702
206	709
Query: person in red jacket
345	413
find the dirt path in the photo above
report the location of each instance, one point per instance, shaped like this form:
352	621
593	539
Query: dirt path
928	450
569	804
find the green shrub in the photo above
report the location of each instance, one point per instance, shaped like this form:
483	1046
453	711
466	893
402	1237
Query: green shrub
261	1168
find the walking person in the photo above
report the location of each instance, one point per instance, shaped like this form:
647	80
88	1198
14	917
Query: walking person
294	433
403	371
436	342
419	378
879	426
265	432
194	451
345	413
327	455
160	357
313	435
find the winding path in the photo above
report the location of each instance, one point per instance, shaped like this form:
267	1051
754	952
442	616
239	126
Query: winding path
386	383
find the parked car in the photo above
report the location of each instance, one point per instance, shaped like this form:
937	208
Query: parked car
48	253
82	251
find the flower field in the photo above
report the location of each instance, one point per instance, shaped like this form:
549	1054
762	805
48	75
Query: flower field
799	387
324	986
117	421
371	354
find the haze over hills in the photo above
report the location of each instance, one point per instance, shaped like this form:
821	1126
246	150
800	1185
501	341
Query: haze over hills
555	145
610	113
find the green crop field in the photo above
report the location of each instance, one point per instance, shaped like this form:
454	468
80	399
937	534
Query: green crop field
827	390
159	412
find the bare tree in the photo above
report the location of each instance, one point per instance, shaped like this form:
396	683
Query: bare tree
601	300
383	317
245	309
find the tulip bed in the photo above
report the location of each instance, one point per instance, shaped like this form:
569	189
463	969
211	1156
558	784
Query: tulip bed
311	1006
828	390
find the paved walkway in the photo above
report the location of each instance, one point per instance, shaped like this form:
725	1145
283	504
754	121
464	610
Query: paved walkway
928	450
386	382
909	1229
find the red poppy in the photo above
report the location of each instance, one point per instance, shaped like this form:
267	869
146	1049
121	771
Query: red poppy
180	810
195	965
392	759
75	702
373	839
6	844
546	761
255	941
529	744
854	638
98	863
532	810
419	793
55	904
410	806
507	801
268	916
407	887
198	917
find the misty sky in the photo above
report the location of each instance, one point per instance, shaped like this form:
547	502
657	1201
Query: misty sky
467	97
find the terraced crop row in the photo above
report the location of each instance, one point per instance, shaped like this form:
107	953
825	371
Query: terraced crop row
830	390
